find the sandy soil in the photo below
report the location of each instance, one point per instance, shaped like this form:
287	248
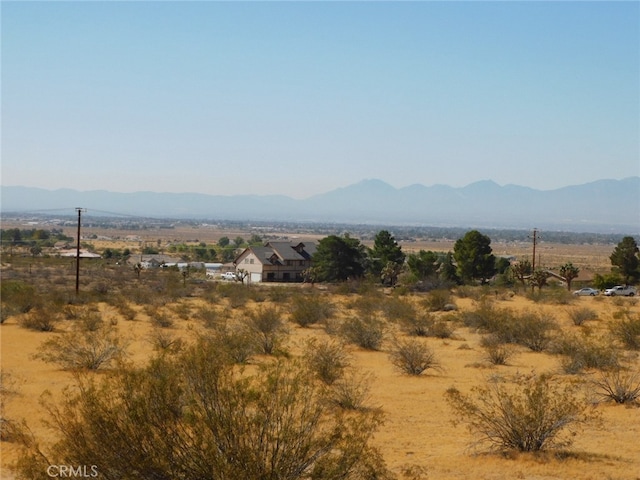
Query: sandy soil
418	432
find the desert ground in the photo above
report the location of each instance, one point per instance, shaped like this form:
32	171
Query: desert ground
418	438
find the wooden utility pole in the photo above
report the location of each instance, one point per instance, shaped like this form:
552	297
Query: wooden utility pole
535	239
79	210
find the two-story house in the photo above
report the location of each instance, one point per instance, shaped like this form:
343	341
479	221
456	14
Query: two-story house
276	261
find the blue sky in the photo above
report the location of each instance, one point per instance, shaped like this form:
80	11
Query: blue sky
299	98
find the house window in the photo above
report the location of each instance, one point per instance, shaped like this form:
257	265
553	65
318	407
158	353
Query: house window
251	261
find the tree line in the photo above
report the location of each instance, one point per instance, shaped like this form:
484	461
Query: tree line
340	258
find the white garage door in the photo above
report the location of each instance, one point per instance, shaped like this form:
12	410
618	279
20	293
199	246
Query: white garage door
255	277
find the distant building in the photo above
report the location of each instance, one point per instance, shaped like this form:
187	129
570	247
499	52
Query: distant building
276	261
74	253
153	261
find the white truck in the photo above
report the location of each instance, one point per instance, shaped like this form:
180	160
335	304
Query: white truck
228	276
622	290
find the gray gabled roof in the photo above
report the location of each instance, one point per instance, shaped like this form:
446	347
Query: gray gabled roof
273	253
293	251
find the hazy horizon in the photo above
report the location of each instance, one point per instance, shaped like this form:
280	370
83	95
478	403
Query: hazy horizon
330	189
299	98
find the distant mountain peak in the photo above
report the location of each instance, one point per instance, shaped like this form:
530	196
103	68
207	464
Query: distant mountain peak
591	207
373	183
482	184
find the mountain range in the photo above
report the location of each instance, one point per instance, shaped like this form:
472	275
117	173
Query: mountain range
600	206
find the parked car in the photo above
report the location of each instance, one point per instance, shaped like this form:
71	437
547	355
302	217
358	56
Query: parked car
228	276
587	292
622	290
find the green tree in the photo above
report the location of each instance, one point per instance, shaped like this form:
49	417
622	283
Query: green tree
339	258
228	254
473	257
626	259
385	250
448	271
502	265
423	264
568	271
223	241
13	235
40	235
255	239
238	241
602	282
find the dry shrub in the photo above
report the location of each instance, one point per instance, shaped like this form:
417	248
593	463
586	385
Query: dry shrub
580	315
626	329
17	297
472	292
419	325
529	416
121	303
8	427
441	329
161	319
39	319
552	295
585	352
498	353
236	294
366	305
89	320
623	302
398	309
236	342
210	317
279	294
142	294
365	331
189	416
619	385
164	342
5	313
531	329
484	316
328	359
351	391
437	300
83	350
267	328
182	310
412	356
310	309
